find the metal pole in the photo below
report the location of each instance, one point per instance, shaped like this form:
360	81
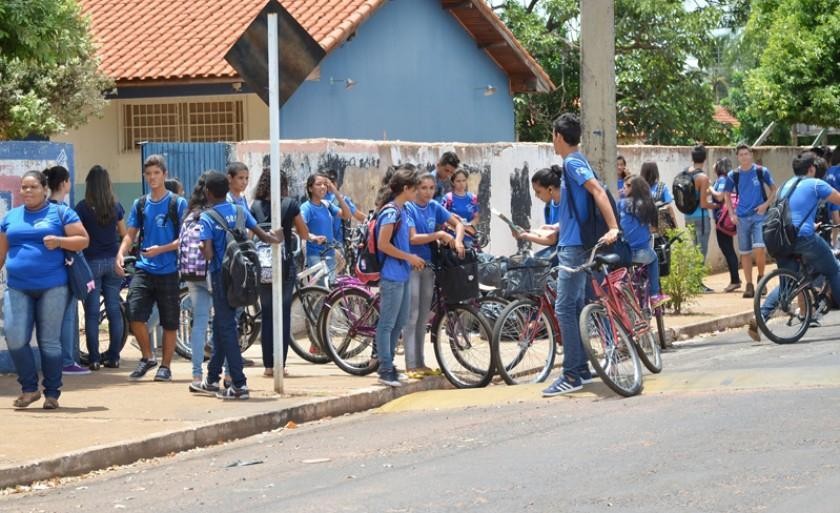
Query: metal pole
274	143
765	134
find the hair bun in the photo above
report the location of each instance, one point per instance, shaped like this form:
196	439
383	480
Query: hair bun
557	169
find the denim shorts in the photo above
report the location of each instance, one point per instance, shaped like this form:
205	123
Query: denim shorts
749	232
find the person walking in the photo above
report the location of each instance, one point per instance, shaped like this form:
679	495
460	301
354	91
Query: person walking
725	238
698	217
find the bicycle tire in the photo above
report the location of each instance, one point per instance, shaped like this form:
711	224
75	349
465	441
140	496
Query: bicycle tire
491	307
304	328
464	333
791	290
513	339
248	329
350	318
660	327
615	361
647	346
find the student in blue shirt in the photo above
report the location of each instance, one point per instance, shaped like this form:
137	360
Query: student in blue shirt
392	236
225	337
637	214
621	172
238	176
426	218
579	182
661	194
725	240
755	195
444	169
548	232
814	251
700	218
156	279
319	215
32	239
463	203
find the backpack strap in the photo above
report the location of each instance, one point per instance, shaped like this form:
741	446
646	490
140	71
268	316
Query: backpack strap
139	214
240	219
172	212
216	216
760	172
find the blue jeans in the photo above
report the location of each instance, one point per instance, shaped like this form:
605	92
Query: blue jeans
25	310
314	259
267	306
815	253
225	337
749	232
393	314
108	285
70	332
571	291
647	256
702	230
200	302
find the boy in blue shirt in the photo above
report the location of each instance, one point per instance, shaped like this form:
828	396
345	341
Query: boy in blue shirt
156	279
225	345
756	191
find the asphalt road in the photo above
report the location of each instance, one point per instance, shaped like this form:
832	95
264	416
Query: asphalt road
729	426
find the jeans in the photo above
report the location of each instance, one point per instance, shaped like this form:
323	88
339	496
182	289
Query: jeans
702	228
108	285
314	259
266	306
70	332
28	309
393	314
225	337
421	287
727	247
200	301
816	254
749	232
571	290
647	256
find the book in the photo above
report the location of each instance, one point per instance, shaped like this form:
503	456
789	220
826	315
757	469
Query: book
513	226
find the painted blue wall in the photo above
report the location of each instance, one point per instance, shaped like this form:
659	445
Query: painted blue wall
420	77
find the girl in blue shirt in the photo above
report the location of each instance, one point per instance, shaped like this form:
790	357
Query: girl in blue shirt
462	203
638	213
32	237
392	236
237	175
319	215
425	218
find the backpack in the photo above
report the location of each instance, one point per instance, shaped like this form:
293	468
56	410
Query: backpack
666	220
760	173
240	263
191	262
171	216
368	264
684	190
778	231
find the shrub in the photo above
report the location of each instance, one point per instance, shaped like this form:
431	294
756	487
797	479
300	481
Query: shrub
687	270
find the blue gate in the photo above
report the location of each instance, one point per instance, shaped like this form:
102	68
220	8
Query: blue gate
186	161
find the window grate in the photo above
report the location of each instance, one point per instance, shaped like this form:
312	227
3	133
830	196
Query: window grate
211	121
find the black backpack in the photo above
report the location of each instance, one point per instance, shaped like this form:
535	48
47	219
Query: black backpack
778	231
762	180
685	193
171	216
240	263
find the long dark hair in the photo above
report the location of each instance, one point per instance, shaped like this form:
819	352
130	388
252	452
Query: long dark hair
198	199
56	176
548	176
404	175
99	195
723	166
650	172
640	202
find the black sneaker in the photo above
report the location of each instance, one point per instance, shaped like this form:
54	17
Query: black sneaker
232	393
143	366
111	364
389	379
204	388
163	374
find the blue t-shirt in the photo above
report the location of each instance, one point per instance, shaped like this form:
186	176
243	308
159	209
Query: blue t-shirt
832	176
29	264
211	230
425	220
635	233
551	213
338	222
394	269
620	187
241	201
104	239
158	231
749	189
577	172
319	219
661	193
804	200
718	186
466	206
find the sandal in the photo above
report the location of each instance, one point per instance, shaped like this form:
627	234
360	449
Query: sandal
51	403
27	398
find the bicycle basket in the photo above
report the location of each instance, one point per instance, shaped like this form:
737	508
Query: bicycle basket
526	275
457	278
491	270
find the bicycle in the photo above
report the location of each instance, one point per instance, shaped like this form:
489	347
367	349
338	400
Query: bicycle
794	301
307	302
607	327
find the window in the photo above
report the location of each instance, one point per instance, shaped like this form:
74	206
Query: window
210	121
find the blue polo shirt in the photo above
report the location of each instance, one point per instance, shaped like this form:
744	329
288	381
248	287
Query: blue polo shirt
551	213
749	189
241	201
394	269
211	230
803	201
577	172
634	231
319	220
832	176
425	219
158	231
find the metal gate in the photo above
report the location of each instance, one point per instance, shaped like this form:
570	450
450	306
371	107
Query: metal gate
186	161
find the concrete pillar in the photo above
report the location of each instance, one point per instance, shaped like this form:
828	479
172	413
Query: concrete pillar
597	87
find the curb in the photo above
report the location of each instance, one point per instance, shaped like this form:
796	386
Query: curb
161	444
711	326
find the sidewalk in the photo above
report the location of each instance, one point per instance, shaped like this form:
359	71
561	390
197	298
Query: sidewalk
105	419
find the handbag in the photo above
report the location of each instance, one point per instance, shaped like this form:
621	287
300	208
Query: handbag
79	275
457	277
666	220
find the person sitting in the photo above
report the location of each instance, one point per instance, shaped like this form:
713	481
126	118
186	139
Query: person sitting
637	214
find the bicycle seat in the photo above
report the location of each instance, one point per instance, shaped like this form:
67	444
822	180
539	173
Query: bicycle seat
608	259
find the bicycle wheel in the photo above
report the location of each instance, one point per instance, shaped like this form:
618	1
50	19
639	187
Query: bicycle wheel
347	327
491	307
660	327
524	343
249	326
610	352
461	338
787	305
647	346
306	309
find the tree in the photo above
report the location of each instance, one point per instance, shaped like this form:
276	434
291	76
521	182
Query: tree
49	76
661	99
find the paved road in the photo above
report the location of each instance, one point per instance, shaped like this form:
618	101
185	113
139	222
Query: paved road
730	426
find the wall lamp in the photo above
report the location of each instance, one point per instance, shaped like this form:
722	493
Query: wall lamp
489	90
349	83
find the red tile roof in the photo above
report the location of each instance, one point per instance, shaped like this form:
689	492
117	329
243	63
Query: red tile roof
164	40
723	116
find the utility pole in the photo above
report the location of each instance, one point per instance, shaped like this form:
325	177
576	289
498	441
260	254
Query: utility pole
597	88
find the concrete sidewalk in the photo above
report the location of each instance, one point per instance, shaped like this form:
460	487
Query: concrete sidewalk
105	419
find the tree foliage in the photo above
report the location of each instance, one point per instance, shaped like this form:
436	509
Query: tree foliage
660	98
49	77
